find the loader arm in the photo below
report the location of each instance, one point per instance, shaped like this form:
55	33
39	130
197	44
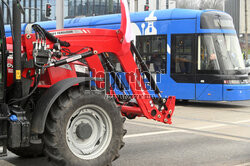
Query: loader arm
101	41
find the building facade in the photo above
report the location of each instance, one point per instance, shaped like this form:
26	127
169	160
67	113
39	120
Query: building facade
138	5
236	8
35	9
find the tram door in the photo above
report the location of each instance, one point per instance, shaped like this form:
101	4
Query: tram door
208	81
183	60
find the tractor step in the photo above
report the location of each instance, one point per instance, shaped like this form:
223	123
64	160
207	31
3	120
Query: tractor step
3	139
3	142
3	151
3	130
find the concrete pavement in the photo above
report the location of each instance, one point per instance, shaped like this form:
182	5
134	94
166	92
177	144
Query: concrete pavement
202	133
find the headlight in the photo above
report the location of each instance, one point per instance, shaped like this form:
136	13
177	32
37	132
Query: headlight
235	81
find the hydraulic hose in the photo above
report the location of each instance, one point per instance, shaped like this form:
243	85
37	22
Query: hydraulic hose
51	37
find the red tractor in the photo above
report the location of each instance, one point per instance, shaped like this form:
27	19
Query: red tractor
51	104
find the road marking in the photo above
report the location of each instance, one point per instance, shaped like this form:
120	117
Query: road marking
243	164
198	130
148	124
222	101
214	121
5	163
151	133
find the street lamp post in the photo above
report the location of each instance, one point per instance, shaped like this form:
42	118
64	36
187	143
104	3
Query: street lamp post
110	7
59	14
246	29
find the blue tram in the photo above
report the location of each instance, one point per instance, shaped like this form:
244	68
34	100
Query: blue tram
194	54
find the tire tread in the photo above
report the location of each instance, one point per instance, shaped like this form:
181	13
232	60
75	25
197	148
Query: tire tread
64	102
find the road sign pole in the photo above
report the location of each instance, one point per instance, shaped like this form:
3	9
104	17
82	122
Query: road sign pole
246	29
59	14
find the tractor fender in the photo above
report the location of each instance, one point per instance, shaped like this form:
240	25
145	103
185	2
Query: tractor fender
48	98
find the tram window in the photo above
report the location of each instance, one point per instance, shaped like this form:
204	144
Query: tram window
182	53
207	59
154	51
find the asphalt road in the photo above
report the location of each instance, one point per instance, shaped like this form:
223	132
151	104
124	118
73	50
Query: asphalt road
202	133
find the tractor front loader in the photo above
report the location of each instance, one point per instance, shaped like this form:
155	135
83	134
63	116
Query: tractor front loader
56	96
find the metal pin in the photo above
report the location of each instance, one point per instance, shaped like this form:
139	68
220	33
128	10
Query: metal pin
28	36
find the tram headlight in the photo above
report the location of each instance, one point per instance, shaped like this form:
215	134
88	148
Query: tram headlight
235	81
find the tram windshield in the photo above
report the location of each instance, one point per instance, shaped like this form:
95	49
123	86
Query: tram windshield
220	53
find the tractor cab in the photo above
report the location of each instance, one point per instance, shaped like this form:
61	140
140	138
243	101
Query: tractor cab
3	122
2	55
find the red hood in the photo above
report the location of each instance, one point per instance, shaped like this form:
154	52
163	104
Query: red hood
9	44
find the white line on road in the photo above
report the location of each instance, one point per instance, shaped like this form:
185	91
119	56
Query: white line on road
243	164
152	133
222	101
5	163
183	130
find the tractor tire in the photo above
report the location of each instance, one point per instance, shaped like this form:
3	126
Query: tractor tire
83	128
34	150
